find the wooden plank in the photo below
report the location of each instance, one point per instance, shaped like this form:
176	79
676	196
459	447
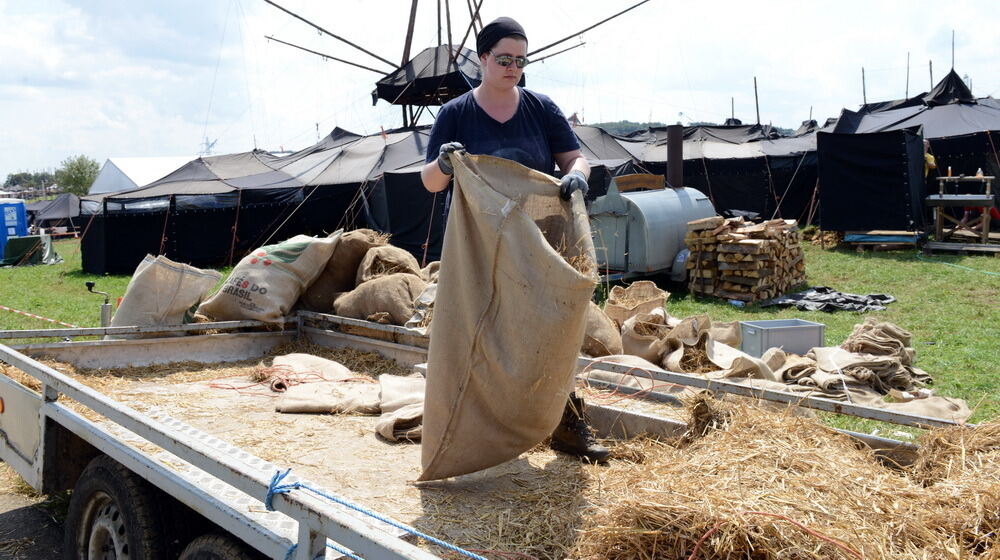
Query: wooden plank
943	246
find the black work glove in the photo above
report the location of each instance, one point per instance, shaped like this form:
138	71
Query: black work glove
573	181
444	156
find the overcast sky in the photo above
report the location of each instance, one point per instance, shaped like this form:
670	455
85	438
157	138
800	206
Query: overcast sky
110	78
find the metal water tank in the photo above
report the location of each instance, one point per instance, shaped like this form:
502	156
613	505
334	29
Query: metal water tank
642	232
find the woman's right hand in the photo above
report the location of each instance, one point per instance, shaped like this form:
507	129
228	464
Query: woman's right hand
444	156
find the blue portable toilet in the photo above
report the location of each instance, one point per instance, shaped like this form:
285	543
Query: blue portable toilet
14	221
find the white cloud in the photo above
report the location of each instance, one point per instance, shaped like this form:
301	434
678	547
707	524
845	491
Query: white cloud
109	78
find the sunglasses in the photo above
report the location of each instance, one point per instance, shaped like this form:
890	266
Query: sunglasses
506	60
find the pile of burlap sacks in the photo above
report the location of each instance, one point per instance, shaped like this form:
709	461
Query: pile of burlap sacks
874	366
355	274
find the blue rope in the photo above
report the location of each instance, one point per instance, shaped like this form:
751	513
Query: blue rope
276	487
923	258
291	552
345	552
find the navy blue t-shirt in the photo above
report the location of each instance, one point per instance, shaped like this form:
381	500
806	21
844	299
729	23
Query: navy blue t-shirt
536	131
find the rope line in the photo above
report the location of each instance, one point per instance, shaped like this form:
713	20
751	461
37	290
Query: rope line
277	487
969	268
33	316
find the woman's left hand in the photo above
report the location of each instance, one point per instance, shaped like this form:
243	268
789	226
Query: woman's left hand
572	181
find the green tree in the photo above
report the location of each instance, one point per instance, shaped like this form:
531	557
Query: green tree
76	174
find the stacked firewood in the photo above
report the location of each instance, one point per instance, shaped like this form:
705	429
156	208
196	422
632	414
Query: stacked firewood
734	259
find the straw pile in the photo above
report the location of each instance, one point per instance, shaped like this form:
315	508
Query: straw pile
766	485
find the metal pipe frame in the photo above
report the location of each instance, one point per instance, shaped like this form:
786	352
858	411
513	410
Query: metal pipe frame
117	331
817	403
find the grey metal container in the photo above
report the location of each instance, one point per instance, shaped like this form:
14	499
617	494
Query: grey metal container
791	335
642	232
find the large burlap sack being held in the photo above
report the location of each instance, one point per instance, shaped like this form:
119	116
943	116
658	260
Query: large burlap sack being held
517	274
266	283
602	337
392	294
341	268
386	260
163	292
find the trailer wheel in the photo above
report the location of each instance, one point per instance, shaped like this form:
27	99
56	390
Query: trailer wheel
217	547
112	515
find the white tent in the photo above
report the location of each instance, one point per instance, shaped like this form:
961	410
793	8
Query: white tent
127	173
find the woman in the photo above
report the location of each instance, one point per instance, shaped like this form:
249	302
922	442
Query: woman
499	118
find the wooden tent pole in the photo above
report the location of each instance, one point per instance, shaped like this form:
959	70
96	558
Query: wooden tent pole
409	34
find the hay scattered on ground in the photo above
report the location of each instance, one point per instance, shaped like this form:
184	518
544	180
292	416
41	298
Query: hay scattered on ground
767	485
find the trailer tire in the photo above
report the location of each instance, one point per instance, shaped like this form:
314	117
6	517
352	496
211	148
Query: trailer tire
112	507
216	547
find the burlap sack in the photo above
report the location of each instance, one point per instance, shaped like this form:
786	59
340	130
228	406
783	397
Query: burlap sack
330	397
402	404
430	272
319	295
341	268
602	337
307	364
642	335
639	297
511	318
386	260
392	294
266	283
163	292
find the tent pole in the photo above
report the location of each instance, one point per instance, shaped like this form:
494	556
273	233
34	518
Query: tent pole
409	34
930	69
439	21
864	93
952	49
318	28
907	94
582	31
447	15
236	226
732	108
458	51
756	101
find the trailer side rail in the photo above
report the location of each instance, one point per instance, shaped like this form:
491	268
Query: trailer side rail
317	519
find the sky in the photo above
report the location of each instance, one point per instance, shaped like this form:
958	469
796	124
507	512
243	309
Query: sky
119	78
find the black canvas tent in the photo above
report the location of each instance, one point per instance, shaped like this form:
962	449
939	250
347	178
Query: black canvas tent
740	167
430	78
871	181
214	210
963	131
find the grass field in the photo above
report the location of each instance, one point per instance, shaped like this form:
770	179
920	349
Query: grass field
950	303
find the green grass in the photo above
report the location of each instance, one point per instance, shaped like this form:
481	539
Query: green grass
953	313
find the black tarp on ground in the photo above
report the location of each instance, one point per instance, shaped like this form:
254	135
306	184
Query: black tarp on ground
871	181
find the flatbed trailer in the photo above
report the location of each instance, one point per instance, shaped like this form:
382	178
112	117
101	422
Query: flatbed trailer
200	455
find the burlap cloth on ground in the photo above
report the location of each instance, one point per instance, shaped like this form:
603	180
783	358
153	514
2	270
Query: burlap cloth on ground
163	292
638	297
602	337
399	400
510	321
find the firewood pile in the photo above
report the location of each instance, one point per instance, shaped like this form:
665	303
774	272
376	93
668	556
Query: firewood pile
735	259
